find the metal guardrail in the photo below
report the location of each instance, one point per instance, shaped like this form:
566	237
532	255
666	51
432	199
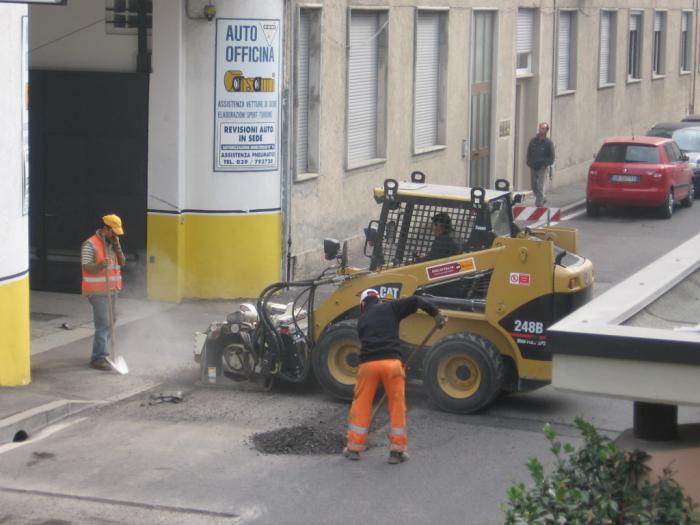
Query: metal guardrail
606	348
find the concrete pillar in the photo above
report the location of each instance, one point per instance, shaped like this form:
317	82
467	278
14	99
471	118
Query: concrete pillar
14	234
212	233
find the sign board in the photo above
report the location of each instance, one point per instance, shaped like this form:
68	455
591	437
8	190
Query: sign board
25	115
49	2
451	268
246	112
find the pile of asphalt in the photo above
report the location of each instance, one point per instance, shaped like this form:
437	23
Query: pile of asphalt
300	440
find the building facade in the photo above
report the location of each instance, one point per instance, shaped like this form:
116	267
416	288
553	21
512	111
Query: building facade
233	136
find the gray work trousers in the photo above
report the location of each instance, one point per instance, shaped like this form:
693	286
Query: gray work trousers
537	178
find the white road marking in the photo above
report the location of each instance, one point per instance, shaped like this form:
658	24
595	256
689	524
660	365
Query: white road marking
43	434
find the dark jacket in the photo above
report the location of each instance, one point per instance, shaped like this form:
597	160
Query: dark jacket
443	246
540	153
378	326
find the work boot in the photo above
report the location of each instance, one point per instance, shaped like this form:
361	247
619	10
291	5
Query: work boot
100	364
397	457
351	454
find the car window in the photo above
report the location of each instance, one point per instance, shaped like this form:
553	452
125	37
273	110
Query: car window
633	153
670	152
660	132
687	139
677	151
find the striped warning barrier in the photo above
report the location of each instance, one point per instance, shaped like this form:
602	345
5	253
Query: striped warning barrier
534	213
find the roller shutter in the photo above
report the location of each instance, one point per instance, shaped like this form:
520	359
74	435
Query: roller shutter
605	35
302	79
564	52
362	89
525	38
427	80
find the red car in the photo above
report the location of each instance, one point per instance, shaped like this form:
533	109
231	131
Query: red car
639	171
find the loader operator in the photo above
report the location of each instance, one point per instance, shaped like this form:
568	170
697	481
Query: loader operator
443	244
380	360
101	257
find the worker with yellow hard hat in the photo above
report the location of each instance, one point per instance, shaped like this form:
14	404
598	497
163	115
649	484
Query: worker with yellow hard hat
101	258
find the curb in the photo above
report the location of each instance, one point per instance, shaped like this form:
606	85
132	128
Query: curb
23	425
35	419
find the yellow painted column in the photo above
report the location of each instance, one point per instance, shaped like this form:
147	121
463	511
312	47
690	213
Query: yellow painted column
14	332
165	267
231	256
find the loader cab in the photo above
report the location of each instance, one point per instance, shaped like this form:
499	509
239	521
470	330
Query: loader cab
404	233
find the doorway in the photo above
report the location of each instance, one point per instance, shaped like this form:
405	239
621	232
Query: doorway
480	128
88	157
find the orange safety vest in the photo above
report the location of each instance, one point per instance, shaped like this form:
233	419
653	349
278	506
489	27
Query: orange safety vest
96	282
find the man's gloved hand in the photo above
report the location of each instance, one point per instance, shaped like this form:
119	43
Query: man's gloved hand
440	319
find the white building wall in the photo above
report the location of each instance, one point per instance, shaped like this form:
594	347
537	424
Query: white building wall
13	223
73	36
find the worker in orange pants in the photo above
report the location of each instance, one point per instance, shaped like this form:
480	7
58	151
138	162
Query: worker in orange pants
380	360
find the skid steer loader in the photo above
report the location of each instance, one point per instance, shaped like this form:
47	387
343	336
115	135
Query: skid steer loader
500	291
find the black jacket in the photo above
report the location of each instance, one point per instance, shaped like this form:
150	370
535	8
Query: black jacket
443	246
540	153
378	326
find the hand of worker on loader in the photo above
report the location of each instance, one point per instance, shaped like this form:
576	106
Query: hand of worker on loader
440	319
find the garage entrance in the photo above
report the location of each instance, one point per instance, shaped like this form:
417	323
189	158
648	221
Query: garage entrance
88	157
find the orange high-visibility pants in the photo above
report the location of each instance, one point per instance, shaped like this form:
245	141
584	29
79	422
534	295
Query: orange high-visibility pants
390	372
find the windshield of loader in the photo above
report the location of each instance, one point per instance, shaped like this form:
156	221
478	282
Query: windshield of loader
417	230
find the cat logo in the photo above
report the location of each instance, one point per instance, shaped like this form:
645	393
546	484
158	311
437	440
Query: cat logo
389	290
235	81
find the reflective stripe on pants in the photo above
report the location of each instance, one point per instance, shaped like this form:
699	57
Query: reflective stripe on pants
390	372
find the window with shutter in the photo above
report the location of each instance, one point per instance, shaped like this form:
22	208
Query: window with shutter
604	74
428	79
686	24
302	89
365	101
525	41
306	90
634	48
565	61
658	44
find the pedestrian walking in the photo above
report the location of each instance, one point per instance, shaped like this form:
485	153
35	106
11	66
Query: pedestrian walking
380	360
101	258
540	157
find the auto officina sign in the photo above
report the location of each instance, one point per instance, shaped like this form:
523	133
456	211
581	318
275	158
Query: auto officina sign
246	117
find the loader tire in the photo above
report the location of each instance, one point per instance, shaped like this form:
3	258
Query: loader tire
463	373
335	359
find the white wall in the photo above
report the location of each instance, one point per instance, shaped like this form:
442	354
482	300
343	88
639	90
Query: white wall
89	48
14	226
207	189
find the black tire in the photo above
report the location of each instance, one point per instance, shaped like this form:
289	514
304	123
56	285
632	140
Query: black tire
666	209
236	84
688	201
335	358
463	373
592	209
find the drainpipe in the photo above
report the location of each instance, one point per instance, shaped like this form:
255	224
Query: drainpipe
691	106
143	57
286	135
555	27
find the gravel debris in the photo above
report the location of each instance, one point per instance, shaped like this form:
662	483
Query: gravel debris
301	440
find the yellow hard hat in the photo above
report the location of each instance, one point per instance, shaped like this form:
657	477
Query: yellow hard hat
114	222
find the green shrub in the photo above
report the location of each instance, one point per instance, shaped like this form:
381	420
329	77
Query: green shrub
598	484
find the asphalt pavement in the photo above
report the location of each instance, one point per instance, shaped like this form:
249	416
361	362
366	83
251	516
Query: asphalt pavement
61	337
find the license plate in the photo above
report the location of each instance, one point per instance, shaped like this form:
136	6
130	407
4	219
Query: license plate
624	178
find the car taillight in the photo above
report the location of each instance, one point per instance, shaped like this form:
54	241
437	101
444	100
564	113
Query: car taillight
656	174
592	174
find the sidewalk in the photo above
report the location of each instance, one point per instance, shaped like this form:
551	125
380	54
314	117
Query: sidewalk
155	338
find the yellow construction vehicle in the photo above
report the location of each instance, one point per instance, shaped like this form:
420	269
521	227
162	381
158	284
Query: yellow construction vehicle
500	291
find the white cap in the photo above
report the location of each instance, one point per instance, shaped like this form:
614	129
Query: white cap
369	292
